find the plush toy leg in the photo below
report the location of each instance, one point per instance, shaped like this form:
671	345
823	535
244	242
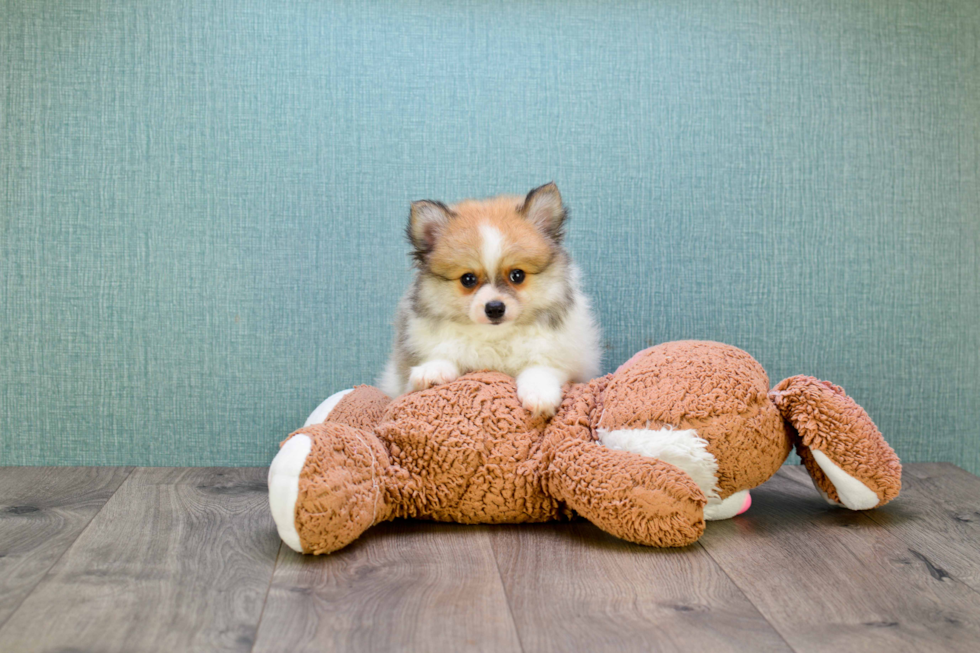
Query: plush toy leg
686	450
682	448
361	407
847	458
284	487
319	416
327	486
643	500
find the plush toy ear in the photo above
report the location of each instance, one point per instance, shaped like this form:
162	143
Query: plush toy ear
842	449
427	220
544	209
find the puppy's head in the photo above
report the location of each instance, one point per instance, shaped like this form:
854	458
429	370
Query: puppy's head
491	261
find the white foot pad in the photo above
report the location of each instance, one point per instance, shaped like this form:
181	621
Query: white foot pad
284	487
853	493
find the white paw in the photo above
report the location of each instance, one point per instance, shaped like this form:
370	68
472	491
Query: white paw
539	389
432	373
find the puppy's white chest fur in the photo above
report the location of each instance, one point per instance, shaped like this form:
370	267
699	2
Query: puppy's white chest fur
540	357
510	348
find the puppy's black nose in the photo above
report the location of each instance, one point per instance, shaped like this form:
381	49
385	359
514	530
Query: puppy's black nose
495	310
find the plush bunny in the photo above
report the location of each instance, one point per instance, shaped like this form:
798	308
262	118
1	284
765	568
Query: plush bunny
677	435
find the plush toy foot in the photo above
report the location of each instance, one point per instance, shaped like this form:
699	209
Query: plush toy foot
847	458
285	469
327	486
284	487
719	509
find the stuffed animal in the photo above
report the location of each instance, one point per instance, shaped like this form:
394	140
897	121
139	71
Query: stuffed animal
677	435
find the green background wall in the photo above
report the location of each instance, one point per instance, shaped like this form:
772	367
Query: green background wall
202	203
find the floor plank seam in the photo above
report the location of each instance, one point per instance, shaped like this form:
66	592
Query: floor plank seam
747	598
503	588
67	549
265	601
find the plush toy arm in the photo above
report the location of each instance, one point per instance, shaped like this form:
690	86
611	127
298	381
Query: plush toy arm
635	498
847	457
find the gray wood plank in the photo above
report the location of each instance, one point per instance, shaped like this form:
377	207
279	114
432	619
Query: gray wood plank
572	587
938	515
403	586
42	511
176	560
830	579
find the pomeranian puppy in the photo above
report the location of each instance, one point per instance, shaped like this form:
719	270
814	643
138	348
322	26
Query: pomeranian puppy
494	290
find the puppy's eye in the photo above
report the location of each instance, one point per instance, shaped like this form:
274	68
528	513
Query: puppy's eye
468	280
517	276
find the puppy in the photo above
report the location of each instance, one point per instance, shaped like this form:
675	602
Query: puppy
494	289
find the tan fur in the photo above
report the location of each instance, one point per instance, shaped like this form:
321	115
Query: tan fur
714	389
458	249
468	451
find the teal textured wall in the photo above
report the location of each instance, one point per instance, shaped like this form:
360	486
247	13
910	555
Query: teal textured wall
202	203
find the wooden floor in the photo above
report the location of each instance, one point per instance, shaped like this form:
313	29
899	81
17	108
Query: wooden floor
156	559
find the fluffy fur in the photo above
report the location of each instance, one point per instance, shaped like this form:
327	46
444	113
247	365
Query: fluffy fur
683	449
494	289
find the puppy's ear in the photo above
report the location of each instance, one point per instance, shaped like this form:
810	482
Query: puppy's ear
543	208
426	221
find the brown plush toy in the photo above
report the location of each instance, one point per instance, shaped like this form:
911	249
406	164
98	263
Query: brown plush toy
677	435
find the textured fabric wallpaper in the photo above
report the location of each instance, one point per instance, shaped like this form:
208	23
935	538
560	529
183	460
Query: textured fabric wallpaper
202	203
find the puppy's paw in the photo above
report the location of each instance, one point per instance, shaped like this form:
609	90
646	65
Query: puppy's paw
432	373
539	389
541	402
